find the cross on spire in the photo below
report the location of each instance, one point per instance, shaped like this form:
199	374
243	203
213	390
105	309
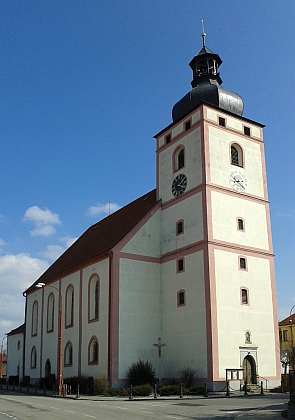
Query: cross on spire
203	33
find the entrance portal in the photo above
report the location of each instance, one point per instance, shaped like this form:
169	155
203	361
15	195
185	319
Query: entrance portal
47	368
249	370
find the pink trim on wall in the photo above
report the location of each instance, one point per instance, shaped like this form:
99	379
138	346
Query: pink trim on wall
52	327
138	257
80	321
72	303
275	318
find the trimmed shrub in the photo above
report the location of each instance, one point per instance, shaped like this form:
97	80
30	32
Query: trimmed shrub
197	389
170	389
100	385
187	377
142	390
141	373
117	392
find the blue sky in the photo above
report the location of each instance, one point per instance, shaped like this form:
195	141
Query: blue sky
86	84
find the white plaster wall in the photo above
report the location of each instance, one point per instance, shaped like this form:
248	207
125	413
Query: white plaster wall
220	164
191	212
147	241
98	328
184	328
233	318
139	313
193	164
15	355
225	211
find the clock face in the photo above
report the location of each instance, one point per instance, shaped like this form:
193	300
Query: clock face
238	181
179	185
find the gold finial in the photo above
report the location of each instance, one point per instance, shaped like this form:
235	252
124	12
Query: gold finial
203	33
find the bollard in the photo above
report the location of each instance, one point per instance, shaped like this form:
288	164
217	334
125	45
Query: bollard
205	391
155	391
181	391
245	390
130	396
78	392
261	388
227	389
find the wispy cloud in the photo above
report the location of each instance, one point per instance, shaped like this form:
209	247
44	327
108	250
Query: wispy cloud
43	219
103	209
287	214
52	252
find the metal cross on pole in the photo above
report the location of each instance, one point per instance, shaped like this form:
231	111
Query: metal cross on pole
159	345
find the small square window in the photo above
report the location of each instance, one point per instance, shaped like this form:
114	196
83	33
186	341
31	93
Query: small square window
168	138
222	121
187	125
247	131
179	227
180	265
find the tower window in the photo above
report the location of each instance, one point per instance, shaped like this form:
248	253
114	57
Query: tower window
241	224
236	155
181	298
248	337
247	131
179	158
168	138
242	263
222	121
33	358
187	125
179	227
180	265
244	296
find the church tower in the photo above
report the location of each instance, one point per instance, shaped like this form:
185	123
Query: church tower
218	305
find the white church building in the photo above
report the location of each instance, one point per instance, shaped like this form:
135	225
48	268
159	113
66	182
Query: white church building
189	265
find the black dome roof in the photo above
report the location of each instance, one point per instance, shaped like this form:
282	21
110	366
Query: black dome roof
206	87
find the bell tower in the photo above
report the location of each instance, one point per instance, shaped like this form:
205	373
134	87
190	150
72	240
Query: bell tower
218	285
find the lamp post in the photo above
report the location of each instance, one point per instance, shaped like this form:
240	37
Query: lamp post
292	362
59	367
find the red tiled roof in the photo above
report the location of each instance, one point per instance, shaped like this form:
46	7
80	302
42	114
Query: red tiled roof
99	238
289	320
18	330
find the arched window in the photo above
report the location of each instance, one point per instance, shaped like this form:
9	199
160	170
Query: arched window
179	158
68	354
34	318
93	351
50	312
242	263
70	306
240	224
33	358
181	298
236	155
244	296
94	292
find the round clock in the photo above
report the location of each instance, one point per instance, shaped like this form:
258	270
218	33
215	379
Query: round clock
179	185
238	181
